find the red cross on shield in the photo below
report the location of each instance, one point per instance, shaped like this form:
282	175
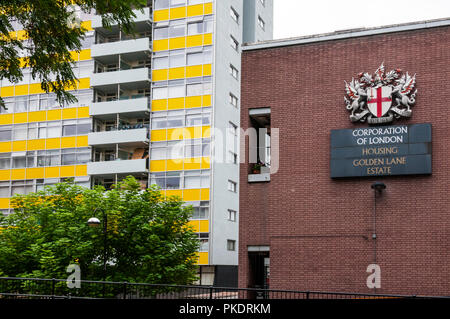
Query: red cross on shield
379	100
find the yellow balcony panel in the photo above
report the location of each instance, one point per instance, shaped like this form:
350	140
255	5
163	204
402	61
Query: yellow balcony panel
194	71
175	103
85	55
81	170
87	25
202	258
5	147
34	145
204	194
195	10
53	143
207	39
206	131
4	203
19	146
20	118
174	192
82	141
195	224
177	43
158	166
22	35
38	116
67	171
159	75
6	119
193	132
5	175
35	88
69	113
206	162
35	172
84	83
161	15
192	163
7	91
160	45
208	8
175	134
177	73
83	112
158	135
191	195
159	105
53	115
175	165
207	100
74	55
51	172
177	13
21	89
207	69
68	141
204	226
193	101
194	40
17	174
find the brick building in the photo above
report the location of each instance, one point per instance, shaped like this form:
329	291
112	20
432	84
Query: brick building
315	232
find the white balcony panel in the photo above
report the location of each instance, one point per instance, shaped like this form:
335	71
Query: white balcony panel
127	47
117	167
132	136
133	106
141	17
134	78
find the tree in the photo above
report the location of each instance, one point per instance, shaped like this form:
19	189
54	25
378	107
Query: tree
51	32
148	239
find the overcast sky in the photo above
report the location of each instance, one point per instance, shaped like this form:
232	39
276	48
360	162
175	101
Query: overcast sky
294	18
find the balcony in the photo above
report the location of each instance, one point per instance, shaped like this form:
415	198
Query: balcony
138	78
132	50
142	22
133	107
131	137
262	176
135	166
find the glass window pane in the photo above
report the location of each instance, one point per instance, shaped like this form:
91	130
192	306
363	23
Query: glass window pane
176	91
194	58
161	63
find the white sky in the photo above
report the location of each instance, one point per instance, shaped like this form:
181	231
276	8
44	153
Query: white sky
293	18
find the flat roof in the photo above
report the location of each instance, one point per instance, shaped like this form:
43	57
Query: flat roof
346	34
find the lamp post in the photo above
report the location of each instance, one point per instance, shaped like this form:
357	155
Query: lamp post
95	222
378	187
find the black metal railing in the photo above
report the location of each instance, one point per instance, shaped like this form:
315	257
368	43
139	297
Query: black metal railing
38	288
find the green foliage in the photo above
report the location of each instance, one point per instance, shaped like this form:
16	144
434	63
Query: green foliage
147	238
52	32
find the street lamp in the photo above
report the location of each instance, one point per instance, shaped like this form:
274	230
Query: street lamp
95	222
378	187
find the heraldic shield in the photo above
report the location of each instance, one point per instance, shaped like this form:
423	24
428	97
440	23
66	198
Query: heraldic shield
379	100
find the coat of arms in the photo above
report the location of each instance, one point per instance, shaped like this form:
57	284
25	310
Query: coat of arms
381	97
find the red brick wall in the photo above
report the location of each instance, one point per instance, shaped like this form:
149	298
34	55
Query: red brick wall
319	230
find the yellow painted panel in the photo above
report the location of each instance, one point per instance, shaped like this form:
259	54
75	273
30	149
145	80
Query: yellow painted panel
39	116
192	163
194	71
175	165
174	192
204	226
22	35
175	103
34	145
205	194
51	172
69	113
196	10
190	195
159	75
35	88
195	224
74	55
193	101
202	258
19	146
6	119
193	132
208	39
83	112
176	73
21	89
206	163
5	174
53	143
68	141
161	15
53	115
81	170
177	13
20	118
158	166
194	40
87	25
177	43
36	172
67	171
7	91
18	174
85	55
159	105
207	100
4	203
206	131
82	141
158	135
5	147
207	69
208	8
160	45
175	134
84	83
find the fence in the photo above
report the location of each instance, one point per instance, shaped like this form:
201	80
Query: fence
38	288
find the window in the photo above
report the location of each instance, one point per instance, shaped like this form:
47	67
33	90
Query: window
261	23
234	14
233	100
234	72
234	43
232	215
231	245
232	186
